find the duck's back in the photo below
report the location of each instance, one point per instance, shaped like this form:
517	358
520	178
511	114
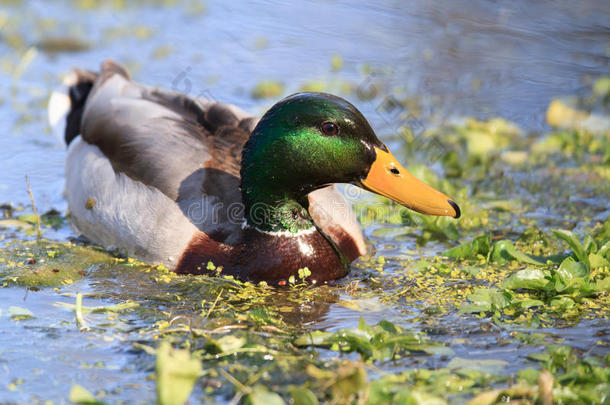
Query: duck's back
153	167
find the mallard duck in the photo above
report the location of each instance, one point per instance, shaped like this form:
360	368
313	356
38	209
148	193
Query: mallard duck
204	187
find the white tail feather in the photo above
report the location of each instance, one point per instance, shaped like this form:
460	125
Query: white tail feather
59	108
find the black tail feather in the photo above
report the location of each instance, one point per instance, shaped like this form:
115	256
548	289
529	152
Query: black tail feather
78	93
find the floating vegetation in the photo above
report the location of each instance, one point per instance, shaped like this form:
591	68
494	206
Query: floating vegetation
63	44
510	302
384	341
45	264
267	89
176	372
336	62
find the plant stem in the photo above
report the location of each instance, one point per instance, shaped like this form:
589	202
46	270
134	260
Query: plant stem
38	229
78	309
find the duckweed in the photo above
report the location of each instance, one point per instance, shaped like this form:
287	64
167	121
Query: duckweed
46	263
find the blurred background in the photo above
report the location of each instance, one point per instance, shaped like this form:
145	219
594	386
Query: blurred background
504	105
416	64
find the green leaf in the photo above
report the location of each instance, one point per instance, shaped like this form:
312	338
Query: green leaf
479	245
230	343
29	218
504	251
578	249
379	342
362	325
570	274
350	379
603	234
15	223
562	303
539	357
440	227
598	261
487	299
560	357
414	397
80	395
529	374
348	340
177	373
480	301
19	313
318	373
225	344
530	338
603	285
380	392
590	245
486	398
315	338
387	326
474	308
489	366
304	273
526	303
501	299
531	279
354	340
604	251
303	396
261	396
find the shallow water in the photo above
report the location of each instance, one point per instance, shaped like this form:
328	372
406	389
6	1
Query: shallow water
463	58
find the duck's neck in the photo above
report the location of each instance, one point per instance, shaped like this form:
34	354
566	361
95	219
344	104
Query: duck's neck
274	195
270	210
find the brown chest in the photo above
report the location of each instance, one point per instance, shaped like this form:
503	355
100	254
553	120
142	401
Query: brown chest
270	257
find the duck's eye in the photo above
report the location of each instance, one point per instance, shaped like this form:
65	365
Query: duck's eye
329	128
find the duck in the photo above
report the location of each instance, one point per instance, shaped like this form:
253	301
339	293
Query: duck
203	187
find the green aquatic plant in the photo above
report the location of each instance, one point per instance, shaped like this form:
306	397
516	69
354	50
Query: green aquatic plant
577	286
20	314
577	379
267	89
470	147
176	373
47	264
480	245
384	341
81	396
500	252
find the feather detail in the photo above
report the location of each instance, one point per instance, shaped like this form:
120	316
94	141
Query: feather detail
183	155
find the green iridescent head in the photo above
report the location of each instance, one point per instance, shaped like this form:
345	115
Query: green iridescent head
310	140
304	142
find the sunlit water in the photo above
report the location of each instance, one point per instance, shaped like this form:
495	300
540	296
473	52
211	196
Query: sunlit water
459	58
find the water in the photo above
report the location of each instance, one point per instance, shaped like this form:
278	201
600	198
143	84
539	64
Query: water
459	58
483	59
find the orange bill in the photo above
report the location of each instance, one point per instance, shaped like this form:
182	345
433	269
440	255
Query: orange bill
388	178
